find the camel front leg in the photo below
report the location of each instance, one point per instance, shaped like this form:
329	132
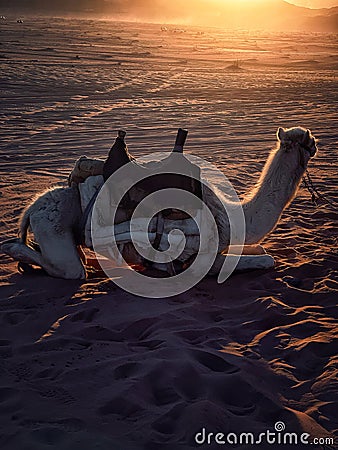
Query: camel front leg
251	249
19	251
58	257
246	262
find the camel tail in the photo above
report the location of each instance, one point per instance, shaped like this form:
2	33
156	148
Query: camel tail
24	225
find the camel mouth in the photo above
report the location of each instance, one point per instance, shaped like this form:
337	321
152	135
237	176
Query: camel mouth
310	149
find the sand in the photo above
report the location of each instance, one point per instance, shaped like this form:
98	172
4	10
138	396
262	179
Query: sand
86	366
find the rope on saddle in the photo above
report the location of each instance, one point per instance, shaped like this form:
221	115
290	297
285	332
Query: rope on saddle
80	234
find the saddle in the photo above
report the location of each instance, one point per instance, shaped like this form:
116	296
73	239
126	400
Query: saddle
156	175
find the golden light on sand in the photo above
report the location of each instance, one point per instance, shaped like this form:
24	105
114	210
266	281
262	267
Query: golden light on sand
305	3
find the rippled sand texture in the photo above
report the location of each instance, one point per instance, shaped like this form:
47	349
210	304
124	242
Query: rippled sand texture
86	366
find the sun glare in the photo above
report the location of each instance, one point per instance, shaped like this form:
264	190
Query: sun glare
235	4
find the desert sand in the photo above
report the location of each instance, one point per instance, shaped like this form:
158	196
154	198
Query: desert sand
86	366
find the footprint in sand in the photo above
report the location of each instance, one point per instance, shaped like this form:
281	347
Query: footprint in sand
50	436
14	318
189	383
126	370
59	394
50	373
164	394
153	344
166	423
141	329
20	371
85	316
69	425
234	393
213	362
121	406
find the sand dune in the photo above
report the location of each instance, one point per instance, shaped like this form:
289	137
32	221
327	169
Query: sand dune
87	366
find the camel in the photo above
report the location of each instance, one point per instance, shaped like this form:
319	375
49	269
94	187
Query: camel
54	215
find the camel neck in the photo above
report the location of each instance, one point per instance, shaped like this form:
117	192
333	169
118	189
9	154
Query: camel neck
273	192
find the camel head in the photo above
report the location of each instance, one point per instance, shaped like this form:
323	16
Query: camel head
299	142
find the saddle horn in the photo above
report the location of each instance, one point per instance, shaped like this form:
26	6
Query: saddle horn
118	155
180	140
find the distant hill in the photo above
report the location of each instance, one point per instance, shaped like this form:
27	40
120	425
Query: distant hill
56	6
269	14
322	22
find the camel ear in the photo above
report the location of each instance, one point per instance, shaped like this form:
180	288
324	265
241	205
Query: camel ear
281	134
306	137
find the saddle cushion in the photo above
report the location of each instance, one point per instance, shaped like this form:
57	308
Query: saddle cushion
85	167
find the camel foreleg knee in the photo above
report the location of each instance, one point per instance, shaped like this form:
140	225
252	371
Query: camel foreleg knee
21	252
